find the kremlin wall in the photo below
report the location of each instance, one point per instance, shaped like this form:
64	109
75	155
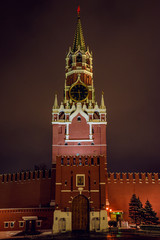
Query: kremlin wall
31	194
77	193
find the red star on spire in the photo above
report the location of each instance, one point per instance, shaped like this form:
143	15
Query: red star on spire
78	10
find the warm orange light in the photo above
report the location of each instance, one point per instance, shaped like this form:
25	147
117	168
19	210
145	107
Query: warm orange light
110	210
107	208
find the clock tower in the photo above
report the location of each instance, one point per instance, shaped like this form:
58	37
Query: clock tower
79	145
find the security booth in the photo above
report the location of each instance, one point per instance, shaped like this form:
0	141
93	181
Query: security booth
30	223
116	216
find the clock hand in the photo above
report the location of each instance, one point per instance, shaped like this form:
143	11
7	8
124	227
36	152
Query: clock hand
79	94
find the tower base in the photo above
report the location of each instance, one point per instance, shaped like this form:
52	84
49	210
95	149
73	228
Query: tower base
62	221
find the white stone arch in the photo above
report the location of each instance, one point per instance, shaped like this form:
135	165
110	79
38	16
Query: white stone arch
79	110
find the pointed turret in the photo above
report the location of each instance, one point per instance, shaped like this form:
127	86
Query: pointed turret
55	106
102	101
78	38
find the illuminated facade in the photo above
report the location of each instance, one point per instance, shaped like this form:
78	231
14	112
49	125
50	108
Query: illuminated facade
77	193
79	146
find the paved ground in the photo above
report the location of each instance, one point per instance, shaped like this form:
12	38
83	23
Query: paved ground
80	236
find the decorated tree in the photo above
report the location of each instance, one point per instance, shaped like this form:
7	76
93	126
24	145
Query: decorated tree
135	209
150	216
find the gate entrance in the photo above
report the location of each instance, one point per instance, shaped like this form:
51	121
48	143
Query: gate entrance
80	213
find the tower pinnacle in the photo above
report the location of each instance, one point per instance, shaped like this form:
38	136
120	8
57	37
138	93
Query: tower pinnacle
78	38
102	101
55	106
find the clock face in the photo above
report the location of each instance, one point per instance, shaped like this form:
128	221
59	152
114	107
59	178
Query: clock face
78	92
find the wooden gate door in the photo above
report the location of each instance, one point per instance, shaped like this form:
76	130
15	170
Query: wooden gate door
80	213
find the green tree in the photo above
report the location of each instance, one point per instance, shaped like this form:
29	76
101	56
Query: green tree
135	210
150	216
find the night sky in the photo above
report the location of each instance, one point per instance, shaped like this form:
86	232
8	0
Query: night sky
125	39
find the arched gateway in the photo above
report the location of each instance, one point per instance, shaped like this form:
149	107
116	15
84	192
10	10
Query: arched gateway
80	213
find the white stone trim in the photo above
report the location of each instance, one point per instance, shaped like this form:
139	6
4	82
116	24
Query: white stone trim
58	183
94	190
78	140
79	71
30	218
95	145
79	110
78	191
65	190
89	122
101	183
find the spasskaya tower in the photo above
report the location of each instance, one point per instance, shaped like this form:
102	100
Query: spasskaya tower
79	145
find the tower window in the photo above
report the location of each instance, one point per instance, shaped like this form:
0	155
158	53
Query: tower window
92	161
79	143
96	115
79	58
61	161
70	60
71	183
65	183
49	173
66	143
44	173
88	62
98	160
80	161
61	115
24	175
89	185
92	143
79	119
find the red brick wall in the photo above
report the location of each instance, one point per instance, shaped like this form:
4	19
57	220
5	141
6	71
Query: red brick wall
26	192
121	188
79	129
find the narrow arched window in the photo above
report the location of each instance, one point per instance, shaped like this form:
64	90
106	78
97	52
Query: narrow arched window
70	60
88	62
61	115
96	115
79	58
79	119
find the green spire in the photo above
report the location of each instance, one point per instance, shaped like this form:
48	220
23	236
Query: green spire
78	38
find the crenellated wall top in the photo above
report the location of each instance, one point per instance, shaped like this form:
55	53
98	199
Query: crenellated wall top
133	177
25	176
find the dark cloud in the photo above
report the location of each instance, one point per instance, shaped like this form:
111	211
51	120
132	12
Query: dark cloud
124	37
